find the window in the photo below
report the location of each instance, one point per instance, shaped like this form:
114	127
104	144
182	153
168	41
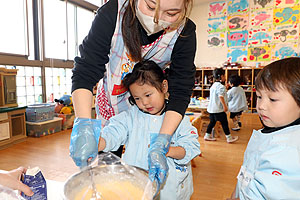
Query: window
55	29
58	82
29	85
13	34
65	23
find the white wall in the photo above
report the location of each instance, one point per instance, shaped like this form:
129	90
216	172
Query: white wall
205	56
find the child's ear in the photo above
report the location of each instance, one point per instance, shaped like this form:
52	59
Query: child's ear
165	86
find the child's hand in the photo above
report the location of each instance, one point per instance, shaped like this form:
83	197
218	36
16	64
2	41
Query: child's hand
12	178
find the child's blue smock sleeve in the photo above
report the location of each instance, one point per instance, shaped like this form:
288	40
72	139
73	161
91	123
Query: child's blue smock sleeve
115	133
186	136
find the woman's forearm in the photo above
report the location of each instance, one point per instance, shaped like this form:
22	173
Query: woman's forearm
176	152
171	121
82	102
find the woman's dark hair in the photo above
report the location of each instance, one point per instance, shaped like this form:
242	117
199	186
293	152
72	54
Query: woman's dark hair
235	80
284	74
145	72
131	30
218	72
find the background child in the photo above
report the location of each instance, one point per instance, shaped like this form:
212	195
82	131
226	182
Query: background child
217	107
137	128
237	101
271	167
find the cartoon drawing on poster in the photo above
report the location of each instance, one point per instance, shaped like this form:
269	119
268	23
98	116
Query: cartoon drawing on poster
261	4
238	38
237	54
237	22
237	6
261	36
286	3
216	40
216	25
261	18
281	51
217	9
286	34
259	53
282	16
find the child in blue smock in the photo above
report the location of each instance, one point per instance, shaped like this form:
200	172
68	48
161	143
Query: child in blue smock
237	102
137	127
217	107
271	167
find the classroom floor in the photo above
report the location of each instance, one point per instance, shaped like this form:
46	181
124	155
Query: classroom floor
214	173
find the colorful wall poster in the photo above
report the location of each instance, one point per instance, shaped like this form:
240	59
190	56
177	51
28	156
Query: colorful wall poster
216	25
281	51
237	22
217	9
259	37
259	53
238	38
286	3
216	40
283	16
286	34
237	6
259	18
260	4
238	54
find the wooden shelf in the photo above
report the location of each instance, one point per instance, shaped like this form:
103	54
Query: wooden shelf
247	75
16	128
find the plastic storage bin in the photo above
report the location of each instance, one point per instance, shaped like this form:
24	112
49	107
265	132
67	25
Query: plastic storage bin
38	129
68	120
40	112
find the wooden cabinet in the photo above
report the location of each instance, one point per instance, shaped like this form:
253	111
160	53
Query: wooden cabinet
12	126
8	88
204	80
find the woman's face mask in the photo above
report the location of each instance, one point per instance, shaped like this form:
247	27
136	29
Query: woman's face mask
148	23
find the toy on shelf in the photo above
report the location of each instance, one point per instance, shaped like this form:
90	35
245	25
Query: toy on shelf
64	109
64	105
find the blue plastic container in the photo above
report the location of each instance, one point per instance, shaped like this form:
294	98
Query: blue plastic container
40	112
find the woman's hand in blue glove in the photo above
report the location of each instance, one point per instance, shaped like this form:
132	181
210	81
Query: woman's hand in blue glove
157	161
84	140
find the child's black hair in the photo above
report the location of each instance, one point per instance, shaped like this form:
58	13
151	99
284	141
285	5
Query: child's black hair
218	72
235	80
284	74
145	72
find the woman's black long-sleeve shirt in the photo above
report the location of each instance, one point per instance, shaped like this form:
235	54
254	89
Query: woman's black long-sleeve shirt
89	68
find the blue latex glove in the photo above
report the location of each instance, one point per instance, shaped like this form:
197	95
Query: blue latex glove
157	161
84	140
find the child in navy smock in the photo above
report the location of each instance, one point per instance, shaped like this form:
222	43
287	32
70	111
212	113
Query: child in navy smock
137	127
217	107
237	102
271	167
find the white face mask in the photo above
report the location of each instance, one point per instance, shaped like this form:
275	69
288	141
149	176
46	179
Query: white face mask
148	23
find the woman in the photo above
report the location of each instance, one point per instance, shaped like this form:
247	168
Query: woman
125	32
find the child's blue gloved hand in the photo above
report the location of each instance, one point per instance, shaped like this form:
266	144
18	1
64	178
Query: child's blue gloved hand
84	140
157	161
